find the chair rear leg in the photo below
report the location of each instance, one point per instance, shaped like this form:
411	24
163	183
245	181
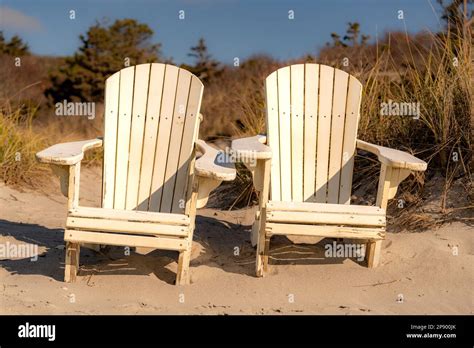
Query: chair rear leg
373	250
71	261
182	275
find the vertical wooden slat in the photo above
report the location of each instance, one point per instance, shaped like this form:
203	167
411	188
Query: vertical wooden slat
284	108
337	134
140	96
310	129
123	135
187	145
273	133
354	95
112	87
179	114
155	90
326	76
164	132
297	135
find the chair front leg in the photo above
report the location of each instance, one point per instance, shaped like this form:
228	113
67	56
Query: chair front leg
261	176
389	180
263	246
71	263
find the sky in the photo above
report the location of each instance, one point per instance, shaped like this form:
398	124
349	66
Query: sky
231	28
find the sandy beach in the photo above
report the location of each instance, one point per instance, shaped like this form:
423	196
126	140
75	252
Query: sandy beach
419	274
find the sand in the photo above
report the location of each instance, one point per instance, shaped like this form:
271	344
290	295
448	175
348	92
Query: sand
420	273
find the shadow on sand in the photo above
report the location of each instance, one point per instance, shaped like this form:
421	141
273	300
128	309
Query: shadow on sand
217	244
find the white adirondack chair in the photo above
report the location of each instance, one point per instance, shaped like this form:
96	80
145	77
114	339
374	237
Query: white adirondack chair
304	165
152	182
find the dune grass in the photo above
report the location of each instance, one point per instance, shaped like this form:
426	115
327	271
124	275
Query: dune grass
19	144
433	70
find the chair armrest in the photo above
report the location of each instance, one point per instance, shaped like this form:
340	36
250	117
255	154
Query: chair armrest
393	158
67	153
251	148
213	164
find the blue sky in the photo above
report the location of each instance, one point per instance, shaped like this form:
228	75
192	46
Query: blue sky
232	28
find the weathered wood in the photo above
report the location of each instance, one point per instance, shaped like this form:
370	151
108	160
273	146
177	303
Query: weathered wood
151	130
74	183
62	172
182	274
297	135
326	78
251	148
384	186
71	263
259	232
354	94
284	115
273	132
190	134
123	226
325	231
157	242
328	218
310	129
112	92
262	251
372	253
132	216
155	90
393	158
313	161
66	154
140	99
337	134
213	164
373	248
123	136
325	207
176	139
164	133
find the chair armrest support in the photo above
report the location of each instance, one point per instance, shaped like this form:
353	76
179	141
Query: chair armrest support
211	169
253	153
393	158
65	160
396	167
67	153
256	156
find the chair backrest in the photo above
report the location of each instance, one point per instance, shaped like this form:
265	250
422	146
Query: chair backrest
312	120
151	124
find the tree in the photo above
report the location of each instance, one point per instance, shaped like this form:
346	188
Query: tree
458	15
336	40
15	47
104	51
205	67
351	37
